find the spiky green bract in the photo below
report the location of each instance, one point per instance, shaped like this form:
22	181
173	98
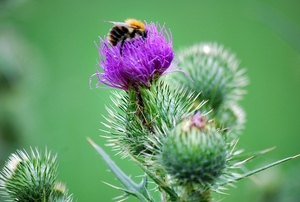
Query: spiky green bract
215	73
146	111
30	177
60	193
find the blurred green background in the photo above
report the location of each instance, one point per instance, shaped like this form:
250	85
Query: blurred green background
47	55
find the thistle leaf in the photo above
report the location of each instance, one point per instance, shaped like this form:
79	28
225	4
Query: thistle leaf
242	176
138	190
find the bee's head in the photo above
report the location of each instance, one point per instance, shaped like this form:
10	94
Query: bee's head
142	33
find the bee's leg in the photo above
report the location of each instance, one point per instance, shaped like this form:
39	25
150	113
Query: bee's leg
144	35
122	44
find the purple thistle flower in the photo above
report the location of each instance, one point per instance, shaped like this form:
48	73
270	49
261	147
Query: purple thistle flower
142	60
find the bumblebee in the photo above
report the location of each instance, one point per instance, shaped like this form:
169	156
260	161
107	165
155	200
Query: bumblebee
125	31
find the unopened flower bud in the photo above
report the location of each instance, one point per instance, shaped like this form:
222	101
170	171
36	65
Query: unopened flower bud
194	152
31	177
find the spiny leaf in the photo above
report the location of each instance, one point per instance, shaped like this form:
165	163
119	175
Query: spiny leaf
258	170
138	190
173	195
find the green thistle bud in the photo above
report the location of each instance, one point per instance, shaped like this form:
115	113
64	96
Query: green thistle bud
194	152
30	177
215	74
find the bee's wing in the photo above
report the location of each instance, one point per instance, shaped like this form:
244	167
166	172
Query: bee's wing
117	23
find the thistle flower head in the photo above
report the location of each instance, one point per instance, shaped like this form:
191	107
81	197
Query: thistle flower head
142	60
